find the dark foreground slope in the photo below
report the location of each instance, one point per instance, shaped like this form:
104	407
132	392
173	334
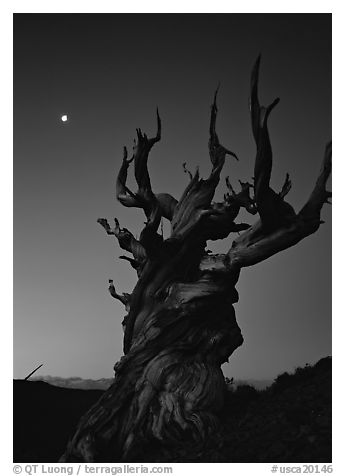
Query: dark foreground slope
44	416
291	421
288	422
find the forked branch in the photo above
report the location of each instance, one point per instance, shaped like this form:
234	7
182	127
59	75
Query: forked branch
286	186
256	244
125	238
144	198
279	227
141	154
194	213
273	210
241	199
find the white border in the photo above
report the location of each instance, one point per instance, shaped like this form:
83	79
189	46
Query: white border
6	190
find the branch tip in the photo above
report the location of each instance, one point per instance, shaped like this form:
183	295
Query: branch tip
186	171
159	126
104	223
214	104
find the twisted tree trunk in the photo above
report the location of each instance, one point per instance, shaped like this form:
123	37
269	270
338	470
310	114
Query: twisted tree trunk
180	328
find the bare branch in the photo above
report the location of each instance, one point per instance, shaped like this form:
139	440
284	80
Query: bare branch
273	211
147	198
159	128
123	194
194	213
141	154
125	238
104	222
286	186
123	298
256	244
186	171
319	195
244	199
241	199
279	227
216	150
134	263
229	186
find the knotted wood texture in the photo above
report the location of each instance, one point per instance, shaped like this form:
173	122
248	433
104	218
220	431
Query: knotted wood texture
180	325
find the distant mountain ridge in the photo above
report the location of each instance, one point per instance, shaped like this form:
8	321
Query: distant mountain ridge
104	383
76	382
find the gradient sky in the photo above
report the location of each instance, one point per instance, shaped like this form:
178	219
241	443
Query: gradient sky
108	73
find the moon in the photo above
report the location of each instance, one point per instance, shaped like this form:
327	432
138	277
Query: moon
64	118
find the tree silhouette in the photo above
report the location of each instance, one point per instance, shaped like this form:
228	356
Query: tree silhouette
180	325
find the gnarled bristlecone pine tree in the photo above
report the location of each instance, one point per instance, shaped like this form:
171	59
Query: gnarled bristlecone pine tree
180	325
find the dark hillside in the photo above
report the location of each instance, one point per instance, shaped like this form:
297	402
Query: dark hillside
44	417
291	421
